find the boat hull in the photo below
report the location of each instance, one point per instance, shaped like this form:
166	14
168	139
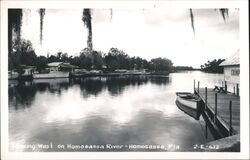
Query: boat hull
190	104
51	75
13	76
26	77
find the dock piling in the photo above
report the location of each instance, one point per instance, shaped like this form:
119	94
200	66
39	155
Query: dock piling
215	109
226	86
234	90
230	118
206	129
205	98
198	87
218	111
194	86
237	89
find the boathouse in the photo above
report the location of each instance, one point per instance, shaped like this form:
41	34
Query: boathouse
56	66
232	73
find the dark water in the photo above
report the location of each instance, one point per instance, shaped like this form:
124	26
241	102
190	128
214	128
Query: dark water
93	114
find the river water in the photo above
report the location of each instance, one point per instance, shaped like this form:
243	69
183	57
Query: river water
124	113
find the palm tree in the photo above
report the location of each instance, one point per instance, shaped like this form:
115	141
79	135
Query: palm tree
86	18
41	14
14	26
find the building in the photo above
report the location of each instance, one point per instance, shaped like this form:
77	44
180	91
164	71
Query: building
232	72
56	70
61	66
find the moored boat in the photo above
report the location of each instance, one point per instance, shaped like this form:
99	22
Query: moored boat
27	73
12	75
51	74
79	73
190	103
55	70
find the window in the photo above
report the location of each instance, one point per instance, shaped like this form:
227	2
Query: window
235	72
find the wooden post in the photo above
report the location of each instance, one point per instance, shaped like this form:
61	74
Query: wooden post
206	109
230	118
234	90
215	109
237	89
205	98
198	87
206	128
226	86
194	86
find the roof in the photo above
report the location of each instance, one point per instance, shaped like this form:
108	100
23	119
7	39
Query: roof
27	67
233	60
54	64
67	65
62	64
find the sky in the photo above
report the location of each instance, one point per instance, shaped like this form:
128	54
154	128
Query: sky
147	33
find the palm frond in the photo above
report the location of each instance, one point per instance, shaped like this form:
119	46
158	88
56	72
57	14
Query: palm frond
224	13
192	19
86	17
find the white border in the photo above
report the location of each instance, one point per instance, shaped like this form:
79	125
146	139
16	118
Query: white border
244	60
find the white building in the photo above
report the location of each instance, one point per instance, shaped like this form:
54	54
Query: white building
56	70
232	72
61	66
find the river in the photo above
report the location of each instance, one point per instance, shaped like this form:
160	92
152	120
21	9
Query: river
127	113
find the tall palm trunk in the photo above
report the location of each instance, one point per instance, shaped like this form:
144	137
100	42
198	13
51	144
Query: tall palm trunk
89	42
86	18
41	14
14	26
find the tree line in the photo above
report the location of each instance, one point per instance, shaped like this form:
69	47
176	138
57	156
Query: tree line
183	68
24	54
213	66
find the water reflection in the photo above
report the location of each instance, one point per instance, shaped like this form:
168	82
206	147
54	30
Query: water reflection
21	94
51	85
115	85
100	110
24	92
147	128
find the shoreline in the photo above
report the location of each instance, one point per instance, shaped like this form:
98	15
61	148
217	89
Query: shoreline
112	74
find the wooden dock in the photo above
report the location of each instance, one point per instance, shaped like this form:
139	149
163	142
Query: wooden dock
217	111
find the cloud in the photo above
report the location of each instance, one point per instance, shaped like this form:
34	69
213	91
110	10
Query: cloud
101	15
157	17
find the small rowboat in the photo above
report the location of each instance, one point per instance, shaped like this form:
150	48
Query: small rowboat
189	103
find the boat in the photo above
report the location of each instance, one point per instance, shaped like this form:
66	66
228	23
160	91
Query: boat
79	73
23	72
55	70
51	74
12	75
50	81
27	72
189	103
